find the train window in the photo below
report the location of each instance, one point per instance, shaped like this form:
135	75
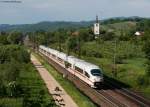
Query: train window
60	59
67	64
87	75
79	69
49	54
96	72
53	55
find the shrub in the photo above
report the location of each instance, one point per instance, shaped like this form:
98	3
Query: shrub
91	53
143	80
119	60
122	70
10	52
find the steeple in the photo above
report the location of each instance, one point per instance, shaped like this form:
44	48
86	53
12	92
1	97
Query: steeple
96	27
97	19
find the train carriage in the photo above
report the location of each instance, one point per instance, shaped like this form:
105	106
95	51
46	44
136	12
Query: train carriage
89	73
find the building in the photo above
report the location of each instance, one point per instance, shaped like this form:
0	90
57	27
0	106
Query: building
138	33
96	27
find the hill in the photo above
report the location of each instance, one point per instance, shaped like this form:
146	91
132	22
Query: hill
127	25
46	26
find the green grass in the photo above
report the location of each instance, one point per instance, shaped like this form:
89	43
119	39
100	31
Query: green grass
78	97
10	102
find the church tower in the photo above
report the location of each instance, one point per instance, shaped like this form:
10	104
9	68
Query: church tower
96	27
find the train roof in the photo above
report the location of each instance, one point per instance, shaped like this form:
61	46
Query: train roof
86	65
62	55
82	64
73	60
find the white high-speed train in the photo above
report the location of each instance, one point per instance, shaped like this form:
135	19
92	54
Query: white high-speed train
87	72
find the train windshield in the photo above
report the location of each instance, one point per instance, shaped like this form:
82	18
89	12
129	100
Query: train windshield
96	72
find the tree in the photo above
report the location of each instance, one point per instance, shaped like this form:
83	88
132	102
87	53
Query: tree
12	70
143	25
146	49
9	52
84	35
15	38
60	37
71	44
108	36
145	79
3	38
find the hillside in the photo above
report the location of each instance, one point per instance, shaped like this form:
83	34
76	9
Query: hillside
47	26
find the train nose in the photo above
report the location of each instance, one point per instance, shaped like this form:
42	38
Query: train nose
98	79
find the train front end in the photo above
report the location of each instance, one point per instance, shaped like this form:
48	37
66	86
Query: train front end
97	78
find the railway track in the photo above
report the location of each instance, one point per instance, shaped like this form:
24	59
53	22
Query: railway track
107	97
141	101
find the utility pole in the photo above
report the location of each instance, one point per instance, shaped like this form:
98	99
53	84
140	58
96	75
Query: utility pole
114	58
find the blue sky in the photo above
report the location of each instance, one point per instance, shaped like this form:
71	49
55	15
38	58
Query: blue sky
33	11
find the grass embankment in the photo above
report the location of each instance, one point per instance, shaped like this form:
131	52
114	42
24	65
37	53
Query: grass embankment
32	85
78	97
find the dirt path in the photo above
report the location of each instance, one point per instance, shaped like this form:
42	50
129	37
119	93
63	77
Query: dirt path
59	94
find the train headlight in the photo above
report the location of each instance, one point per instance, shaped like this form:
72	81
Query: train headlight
98	79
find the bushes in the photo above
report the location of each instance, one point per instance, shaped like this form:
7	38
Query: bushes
119	59
18	53
143	80
36	101
13	58
108	36
91	53
9	75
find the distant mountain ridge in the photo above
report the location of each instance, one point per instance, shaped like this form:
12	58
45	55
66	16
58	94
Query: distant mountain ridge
47	26
52	26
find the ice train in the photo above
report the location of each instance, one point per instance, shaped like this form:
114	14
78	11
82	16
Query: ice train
87	72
